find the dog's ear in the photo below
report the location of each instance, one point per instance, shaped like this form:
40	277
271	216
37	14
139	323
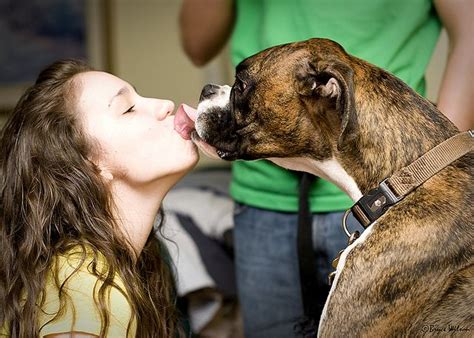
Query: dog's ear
332	79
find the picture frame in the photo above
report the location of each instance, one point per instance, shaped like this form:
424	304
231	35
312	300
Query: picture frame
39	32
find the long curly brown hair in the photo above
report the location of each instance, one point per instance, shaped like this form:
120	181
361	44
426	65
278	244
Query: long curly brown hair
52	198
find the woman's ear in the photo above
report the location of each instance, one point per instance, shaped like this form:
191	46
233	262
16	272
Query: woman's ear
104	171
106	174
95	161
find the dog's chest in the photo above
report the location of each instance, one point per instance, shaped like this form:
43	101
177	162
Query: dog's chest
340	267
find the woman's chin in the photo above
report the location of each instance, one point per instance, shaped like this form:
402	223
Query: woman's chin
205	148
193	157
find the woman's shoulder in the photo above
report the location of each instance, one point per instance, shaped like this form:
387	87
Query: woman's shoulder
73	286
79	262
80	267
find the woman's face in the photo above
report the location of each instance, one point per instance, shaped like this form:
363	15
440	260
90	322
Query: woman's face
135	134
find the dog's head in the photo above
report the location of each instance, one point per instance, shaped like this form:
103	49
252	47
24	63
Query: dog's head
287	101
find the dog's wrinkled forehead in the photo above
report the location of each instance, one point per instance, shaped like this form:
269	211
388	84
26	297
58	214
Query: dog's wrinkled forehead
280	58
273	60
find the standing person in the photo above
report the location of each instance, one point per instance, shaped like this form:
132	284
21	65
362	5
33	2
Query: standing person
85	163
398	36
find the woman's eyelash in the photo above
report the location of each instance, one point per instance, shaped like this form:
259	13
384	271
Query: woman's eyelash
130	110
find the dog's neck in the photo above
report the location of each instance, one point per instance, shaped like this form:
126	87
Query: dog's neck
390	130
330	170
385	139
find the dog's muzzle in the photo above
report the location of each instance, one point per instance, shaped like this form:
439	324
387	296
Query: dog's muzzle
215	124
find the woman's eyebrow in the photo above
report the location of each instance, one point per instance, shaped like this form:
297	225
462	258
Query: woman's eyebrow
122	91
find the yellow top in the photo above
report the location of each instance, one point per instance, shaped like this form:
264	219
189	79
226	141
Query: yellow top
81	313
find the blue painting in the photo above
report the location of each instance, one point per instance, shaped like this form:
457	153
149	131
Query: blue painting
34	33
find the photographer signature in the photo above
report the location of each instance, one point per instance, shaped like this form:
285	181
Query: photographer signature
445	328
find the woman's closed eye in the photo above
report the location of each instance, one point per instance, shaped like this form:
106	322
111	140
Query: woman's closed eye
130	110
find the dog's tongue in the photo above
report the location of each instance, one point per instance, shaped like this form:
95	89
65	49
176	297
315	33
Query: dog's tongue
184	121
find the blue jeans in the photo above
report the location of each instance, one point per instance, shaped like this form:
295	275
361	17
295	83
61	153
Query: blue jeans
266	259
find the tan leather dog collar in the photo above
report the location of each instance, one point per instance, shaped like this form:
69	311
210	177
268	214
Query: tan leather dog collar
392	190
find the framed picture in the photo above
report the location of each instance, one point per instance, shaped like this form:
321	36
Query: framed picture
35	33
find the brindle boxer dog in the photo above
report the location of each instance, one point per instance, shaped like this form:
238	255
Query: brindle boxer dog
310	106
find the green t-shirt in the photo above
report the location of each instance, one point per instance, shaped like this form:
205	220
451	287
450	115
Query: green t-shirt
398	36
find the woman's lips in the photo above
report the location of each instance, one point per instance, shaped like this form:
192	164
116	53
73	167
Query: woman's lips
184	121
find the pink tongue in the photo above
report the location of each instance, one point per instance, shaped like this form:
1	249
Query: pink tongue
184	120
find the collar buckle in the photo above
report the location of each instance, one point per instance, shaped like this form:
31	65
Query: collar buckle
374	204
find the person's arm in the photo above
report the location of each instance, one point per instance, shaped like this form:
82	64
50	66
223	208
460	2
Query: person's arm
205	27
456	96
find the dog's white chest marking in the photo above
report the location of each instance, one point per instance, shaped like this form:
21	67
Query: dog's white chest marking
340	266
329	170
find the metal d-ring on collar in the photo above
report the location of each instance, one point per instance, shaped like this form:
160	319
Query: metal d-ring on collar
352	236
374	196
344	222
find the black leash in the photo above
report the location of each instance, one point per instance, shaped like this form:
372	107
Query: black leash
313	292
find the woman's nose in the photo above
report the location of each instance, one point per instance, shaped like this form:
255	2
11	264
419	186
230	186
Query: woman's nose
163	108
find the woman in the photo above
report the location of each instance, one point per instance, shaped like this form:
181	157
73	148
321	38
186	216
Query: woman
85	164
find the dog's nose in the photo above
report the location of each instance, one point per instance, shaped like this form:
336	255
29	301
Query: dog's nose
208	91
